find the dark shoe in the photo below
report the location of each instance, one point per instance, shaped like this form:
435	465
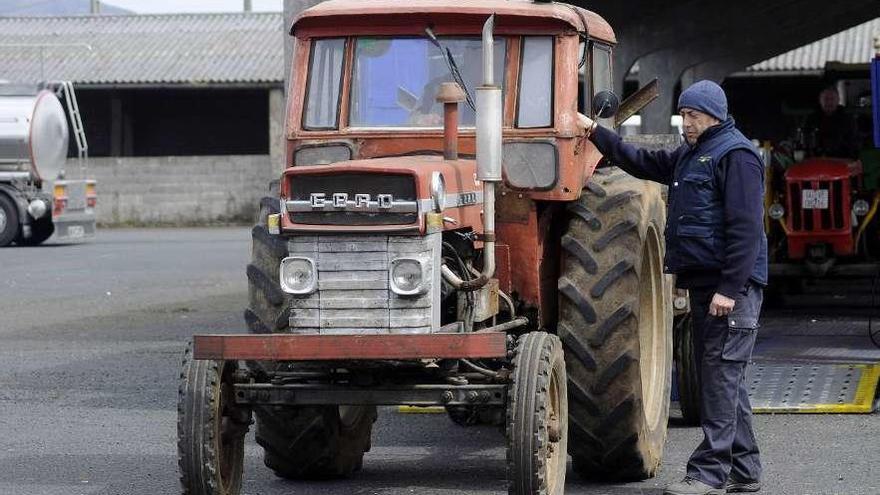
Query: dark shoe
690	486
740	486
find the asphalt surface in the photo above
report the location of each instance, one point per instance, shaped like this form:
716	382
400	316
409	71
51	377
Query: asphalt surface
90	341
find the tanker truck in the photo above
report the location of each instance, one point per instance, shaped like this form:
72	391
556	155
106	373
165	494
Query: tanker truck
36	198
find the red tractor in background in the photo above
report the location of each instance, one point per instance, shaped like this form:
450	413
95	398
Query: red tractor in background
823	212
822	201
440	237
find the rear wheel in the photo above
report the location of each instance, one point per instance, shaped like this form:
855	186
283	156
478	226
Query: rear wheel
687	372
299	442
537	417
210	428
8	220
315	442
615	322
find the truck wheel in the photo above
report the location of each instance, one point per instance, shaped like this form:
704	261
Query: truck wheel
615	323
210	428
537	417
686	371
41	230
298	442
8	220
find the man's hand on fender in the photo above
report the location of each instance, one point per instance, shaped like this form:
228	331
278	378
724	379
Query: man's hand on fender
721	305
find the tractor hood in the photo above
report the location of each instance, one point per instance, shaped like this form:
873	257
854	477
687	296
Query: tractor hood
823	169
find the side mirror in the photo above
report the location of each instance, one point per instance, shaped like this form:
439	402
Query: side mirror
605	104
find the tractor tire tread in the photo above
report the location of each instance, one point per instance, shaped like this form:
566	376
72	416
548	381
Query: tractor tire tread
602	343
527	430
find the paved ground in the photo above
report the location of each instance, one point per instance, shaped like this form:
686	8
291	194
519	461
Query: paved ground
91	336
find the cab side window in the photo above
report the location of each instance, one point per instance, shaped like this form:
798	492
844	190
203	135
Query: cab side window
584	75
601	64
325	83
535	105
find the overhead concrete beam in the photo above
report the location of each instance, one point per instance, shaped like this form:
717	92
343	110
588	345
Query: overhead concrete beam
668	38
722	29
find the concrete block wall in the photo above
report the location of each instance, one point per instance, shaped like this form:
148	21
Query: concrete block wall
179	190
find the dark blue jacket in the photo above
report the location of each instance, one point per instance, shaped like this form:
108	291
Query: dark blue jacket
715	226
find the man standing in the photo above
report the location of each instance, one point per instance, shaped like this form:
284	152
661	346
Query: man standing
716	247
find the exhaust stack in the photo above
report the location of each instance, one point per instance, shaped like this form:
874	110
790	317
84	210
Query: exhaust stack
489	122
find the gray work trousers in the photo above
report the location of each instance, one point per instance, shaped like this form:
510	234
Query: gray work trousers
723	348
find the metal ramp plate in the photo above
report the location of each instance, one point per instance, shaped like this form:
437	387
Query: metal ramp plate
812	388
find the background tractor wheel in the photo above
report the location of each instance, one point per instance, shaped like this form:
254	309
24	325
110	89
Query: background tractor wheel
299	442
615	323
8	220
537	417
41	230
210	428
315	442
686	371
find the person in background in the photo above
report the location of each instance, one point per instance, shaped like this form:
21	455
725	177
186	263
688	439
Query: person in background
831	129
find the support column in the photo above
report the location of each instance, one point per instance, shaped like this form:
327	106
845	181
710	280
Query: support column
624	58
115	124
277	139
291	9
667	66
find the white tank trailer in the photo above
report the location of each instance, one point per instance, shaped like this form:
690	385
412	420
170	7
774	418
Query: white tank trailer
36	201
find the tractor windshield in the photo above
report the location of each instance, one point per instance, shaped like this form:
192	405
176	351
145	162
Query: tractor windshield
395	80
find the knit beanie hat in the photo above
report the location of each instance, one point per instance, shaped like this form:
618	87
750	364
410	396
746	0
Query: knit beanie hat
706	97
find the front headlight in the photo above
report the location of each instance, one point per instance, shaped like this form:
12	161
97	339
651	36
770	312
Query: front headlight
776	211
298	275
407	276
861	207
438	192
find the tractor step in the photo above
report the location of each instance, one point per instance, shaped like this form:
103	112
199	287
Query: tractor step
819	364
812	388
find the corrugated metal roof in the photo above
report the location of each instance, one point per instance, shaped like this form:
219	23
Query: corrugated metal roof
853	46
144	49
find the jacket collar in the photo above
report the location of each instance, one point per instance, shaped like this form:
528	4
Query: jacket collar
713	131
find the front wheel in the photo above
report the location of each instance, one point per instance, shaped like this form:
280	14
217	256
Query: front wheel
8	220
210	428
537	417
41	230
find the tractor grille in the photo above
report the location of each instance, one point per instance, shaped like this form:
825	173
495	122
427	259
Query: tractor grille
369	199
354	295
818	219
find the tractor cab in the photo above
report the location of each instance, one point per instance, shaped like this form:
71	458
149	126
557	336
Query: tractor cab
372	94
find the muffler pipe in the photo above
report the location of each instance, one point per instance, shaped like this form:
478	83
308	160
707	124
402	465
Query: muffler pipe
489	123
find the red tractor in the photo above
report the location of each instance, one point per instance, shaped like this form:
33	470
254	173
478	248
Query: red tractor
828	210
821	208
440	238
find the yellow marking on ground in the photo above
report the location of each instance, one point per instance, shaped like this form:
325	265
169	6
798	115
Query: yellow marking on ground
421	409
862	403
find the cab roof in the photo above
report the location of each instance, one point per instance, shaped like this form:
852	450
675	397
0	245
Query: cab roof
519	12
